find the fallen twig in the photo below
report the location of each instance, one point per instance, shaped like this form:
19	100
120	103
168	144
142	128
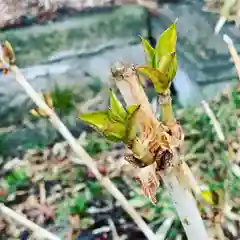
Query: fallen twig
41	232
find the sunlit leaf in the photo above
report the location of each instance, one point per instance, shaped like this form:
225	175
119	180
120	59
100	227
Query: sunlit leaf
149	51
132	108
131	126
116	111
166	43
173	68
99	120
115	132
160	80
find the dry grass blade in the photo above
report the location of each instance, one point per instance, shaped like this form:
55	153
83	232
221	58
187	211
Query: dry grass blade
214	120
220	24
233	52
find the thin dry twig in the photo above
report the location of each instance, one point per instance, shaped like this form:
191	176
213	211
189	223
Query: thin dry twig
219	25
214	120
42	191
41	232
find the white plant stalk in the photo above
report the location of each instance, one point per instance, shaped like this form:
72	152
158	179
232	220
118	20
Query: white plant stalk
128	84
185	206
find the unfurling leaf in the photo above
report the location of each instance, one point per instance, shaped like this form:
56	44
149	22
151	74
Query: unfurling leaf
166	59
160	80
38	112
132	109
114	123
115	132
172	68
131	126
166	43
98	120
116	111
168	65
149	52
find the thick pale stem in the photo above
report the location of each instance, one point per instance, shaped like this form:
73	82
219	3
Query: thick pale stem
186	207
132	92
84	158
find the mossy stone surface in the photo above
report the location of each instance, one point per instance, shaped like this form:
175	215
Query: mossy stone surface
40	43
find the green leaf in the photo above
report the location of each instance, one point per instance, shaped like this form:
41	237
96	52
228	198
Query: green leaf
160	80
79	206
172	69
166	43
149	51
115	132
132	108
99	120
168	65
116	111
16	178
131	126
94	187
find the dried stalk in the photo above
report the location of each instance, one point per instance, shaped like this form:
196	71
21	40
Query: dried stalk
219	25
127	82
83	157
233	52
214	120
41	233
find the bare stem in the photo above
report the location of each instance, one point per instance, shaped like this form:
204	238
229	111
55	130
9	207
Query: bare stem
83	157
127	82
41	232
219	25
